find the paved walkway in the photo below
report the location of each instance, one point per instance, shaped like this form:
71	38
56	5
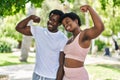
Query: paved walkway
18	72
24	72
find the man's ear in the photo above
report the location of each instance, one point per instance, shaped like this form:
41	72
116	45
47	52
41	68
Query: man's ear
59	24
76	21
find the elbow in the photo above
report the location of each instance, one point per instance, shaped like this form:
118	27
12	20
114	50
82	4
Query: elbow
17	28
102	27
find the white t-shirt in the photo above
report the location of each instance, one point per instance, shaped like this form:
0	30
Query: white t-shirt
48	47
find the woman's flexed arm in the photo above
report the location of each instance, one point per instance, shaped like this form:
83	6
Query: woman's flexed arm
98	24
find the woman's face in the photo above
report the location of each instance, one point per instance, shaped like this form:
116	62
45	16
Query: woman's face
69	24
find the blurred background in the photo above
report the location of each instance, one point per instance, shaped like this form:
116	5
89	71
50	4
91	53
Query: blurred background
13	44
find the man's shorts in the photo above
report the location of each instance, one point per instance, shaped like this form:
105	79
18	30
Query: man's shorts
38	77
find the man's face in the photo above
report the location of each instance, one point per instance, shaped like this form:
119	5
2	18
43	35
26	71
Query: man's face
53	22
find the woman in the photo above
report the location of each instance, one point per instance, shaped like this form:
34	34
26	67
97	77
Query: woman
77	47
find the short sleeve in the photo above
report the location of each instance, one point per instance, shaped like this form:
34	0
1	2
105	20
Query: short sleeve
63	43
35	30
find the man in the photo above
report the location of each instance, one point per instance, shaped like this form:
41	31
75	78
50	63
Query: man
117	50
49	45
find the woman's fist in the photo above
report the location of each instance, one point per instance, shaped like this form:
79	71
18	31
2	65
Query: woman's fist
84	8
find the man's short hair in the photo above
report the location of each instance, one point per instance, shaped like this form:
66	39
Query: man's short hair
71	15
57	12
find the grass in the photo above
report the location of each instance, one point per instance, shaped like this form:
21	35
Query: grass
104	71
11	59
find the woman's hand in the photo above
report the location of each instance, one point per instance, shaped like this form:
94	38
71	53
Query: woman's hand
84	8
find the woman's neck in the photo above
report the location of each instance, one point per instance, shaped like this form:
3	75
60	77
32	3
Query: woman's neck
76	32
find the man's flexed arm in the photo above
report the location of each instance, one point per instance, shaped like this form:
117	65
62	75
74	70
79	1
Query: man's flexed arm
23	27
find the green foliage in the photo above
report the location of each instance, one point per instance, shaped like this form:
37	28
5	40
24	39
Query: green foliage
8	27
114	3
69	34
81	15
107	32
13	59
11	7
110	15
37	3
6	44
4	47
115	25
103	3
71	1
112	26
100	44
103	71
62	1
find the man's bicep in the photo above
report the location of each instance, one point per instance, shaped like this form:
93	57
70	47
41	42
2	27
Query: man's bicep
25	31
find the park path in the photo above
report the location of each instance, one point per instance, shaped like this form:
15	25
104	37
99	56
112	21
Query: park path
24	71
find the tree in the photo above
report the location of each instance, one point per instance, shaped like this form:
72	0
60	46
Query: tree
26	41
111	9
11	7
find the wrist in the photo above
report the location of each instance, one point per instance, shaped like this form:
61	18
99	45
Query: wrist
89	7
30	17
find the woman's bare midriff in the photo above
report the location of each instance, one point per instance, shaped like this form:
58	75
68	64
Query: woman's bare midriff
72	63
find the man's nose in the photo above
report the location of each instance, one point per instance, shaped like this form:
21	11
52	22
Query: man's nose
50	21
65	26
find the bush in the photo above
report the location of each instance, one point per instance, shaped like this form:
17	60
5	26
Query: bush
100	44
6	44
7	27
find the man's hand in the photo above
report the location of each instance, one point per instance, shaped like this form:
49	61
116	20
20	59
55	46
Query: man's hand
35	19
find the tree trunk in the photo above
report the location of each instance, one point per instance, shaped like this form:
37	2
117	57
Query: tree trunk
93	41
26	42
19	44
